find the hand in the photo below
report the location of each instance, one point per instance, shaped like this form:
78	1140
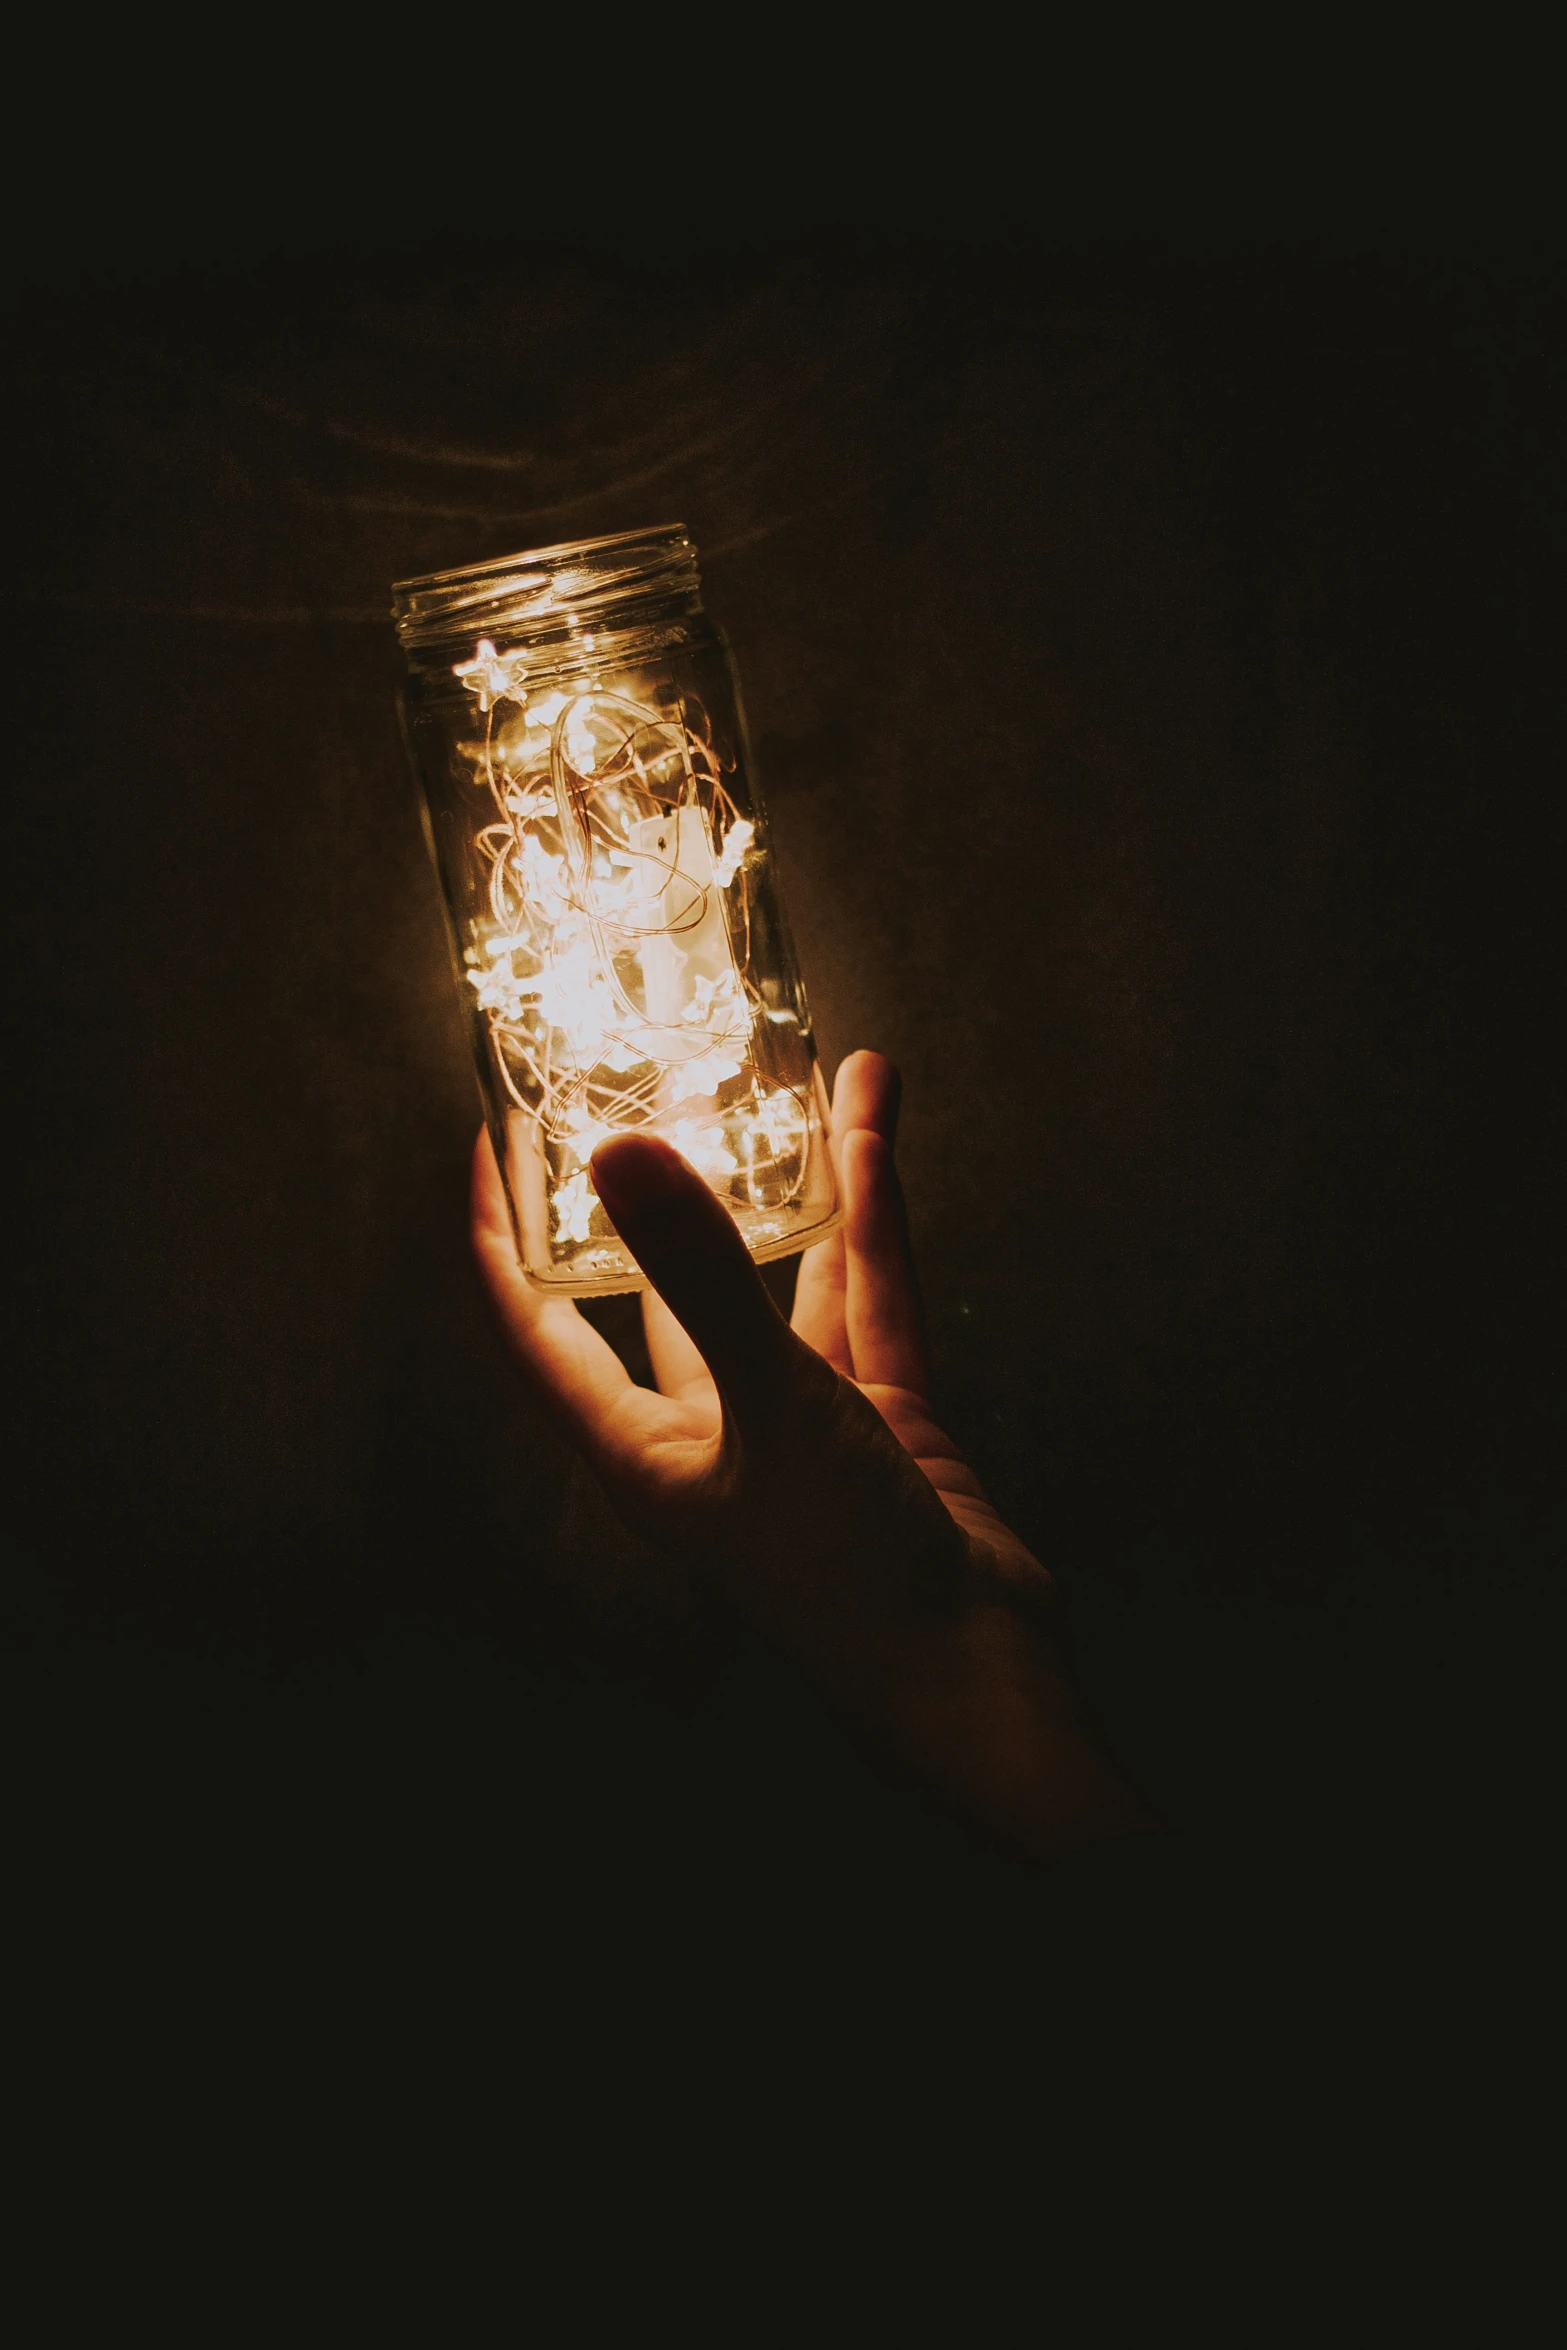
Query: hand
802	1475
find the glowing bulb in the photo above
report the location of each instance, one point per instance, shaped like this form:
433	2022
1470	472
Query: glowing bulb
488	674
703	1145
703	1076
612	962
579	741
584	1139
572	1202
736	841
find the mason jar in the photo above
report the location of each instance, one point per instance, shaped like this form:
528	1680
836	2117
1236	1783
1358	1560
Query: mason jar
620	942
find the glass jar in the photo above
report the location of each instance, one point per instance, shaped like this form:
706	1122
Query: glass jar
574	721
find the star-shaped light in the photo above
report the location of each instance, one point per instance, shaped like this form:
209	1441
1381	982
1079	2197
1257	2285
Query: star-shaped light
736	841
488	674
703	1076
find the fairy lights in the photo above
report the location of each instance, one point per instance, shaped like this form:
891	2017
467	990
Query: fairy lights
613	968
603	851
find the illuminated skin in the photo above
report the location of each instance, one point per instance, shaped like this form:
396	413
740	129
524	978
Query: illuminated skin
801	1474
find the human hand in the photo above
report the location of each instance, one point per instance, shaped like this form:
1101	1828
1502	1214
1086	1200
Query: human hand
802	1475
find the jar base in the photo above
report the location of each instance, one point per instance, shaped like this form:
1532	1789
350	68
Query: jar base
612	1283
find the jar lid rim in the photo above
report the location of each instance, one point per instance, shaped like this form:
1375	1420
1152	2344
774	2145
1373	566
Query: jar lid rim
544	590
508	566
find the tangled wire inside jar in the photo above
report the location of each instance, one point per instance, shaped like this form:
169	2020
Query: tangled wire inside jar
614	967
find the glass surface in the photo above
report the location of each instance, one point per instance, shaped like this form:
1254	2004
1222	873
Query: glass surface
603	854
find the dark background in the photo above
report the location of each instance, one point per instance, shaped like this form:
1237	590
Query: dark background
1151	650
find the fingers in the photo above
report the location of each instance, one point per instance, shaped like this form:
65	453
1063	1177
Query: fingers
858	1302
881	1298
866	1093
818	1303
579	1376
677	1366
690	1249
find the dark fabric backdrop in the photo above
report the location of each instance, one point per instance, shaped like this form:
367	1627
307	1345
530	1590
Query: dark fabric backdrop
1152	664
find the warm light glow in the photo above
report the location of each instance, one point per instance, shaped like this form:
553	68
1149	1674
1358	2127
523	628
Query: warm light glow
487	674
613	968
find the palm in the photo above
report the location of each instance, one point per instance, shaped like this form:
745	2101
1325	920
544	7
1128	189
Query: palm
801	1467
663	1452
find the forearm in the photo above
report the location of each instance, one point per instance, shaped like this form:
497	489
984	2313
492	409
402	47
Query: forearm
1002	1729
974	1705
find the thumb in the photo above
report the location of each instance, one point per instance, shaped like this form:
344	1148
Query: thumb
689	1247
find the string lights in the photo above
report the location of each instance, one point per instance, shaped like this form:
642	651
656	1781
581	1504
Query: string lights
617	923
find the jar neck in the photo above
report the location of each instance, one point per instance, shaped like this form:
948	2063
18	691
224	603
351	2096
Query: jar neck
556	609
